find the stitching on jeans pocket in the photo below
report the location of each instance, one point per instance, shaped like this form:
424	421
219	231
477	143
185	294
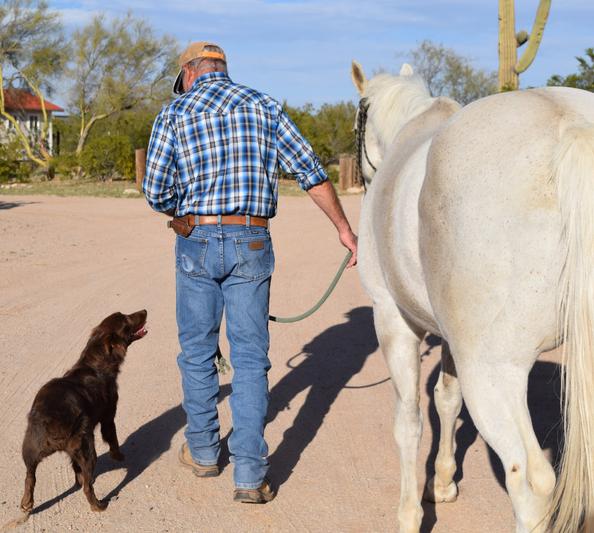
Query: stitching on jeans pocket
255	257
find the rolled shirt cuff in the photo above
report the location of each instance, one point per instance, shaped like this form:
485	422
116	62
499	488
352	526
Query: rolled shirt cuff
315	177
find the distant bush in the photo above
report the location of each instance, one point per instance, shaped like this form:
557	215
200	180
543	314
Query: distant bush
13	167
108	157
333	173
66	166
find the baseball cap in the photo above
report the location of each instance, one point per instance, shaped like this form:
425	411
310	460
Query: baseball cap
194	51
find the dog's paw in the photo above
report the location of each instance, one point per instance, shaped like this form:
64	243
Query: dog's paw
27	507
99	506
117	456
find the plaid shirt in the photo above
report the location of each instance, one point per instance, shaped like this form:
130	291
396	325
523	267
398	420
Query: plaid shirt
216	149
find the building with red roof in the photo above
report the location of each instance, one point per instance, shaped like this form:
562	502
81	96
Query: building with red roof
27	109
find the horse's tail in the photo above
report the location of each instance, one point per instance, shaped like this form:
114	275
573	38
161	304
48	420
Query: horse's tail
572	507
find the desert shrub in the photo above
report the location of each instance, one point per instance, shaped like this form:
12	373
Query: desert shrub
108	157
333	173
66	166
13	167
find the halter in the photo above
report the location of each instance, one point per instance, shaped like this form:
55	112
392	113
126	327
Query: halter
360	138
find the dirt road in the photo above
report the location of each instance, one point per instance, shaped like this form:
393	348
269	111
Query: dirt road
66	263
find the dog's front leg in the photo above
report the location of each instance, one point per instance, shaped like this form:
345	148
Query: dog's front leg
108	432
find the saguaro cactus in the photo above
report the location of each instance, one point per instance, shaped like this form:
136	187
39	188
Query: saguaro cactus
509	42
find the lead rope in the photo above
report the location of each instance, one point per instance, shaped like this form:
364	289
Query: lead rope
298	318
221	362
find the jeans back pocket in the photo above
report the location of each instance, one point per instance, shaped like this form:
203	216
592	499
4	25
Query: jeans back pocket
255	257
190	256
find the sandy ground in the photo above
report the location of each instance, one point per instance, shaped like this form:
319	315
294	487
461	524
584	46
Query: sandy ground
67	263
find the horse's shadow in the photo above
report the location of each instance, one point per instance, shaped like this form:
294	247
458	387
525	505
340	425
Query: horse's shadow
328	362
544	390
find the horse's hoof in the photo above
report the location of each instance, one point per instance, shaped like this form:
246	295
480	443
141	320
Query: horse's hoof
439	494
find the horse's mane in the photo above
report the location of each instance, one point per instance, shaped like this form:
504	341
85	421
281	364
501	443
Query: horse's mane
394	100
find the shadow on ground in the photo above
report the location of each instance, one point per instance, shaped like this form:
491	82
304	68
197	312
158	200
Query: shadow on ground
325	366
142	448
544	390
4	206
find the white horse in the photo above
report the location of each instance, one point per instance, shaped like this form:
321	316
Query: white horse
478	226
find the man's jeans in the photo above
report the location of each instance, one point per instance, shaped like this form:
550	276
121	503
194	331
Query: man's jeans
225	266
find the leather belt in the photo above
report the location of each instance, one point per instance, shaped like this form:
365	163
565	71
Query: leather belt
242	220
183	225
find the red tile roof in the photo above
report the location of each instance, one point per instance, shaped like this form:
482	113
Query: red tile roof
19	99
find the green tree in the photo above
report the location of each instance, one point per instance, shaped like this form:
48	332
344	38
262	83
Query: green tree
329	129
583	79
117	65
450	74
335	124
32	56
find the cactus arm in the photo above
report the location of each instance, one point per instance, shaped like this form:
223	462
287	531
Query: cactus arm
521	38
535	36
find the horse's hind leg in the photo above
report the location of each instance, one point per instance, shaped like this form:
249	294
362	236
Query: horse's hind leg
448	401
495	388
400	345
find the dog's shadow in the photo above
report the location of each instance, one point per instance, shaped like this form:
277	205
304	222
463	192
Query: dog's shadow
142	448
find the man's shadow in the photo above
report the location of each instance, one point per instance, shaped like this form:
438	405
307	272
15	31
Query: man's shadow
544	390
141	448
325	366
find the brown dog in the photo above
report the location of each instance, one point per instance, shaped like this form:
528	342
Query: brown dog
67	409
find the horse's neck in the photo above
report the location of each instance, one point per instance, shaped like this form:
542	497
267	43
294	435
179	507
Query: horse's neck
422	125
396	104
400	121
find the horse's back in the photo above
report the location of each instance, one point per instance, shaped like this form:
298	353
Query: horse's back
489	219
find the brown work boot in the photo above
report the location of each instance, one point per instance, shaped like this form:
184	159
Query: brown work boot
186	460
262	494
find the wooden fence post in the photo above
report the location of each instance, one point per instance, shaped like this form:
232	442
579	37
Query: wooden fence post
346	171
140	154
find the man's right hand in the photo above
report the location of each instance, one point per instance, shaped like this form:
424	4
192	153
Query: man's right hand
349	240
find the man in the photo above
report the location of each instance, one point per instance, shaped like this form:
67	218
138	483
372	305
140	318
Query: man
212	163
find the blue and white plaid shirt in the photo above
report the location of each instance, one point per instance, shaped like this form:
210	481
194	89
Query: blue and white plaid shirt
216	149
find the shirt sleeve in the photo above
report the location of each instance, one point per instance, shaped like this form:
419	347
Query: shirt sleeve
296	156
159	179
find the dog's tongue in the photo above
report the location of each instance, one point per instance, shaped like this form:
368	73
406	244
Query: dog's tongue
141	332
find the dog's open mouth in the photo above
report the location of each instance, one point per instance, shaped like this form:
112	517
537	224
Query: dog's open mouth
142	331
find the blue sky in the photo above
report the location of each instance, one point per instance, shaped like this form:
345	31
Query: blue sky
300	50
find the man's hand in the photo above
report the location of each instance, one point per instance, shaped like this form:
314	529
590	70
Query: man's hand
325	198
349	240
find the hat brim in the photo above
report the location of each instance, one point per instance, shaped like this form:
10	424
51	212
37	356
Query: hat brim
178	84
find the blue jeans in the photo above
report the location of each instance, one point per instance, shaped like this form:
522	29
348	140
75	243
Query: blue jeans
225	266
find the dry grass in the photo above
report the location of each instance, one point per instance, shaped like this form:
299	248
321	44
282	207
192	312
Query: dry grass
113	189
